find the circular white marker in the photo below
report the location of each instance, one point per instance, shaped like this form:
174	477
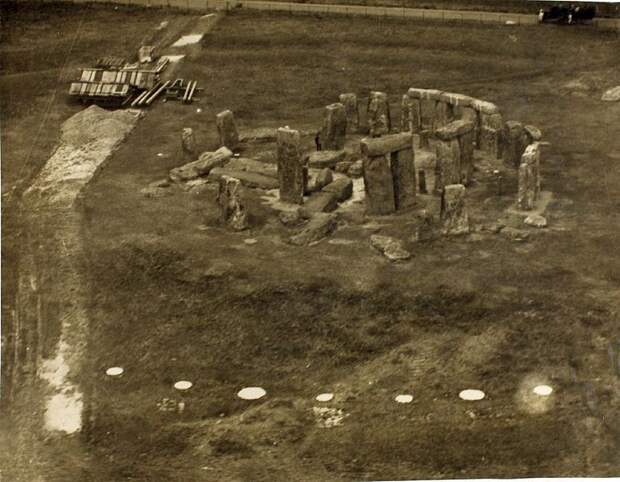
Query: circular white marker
251	393
183	385
403	398
325	397
543	390
199	110
471	395
160	154
114	371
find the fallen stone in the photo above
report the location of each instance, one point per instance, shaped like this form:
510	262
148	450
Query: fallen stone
323	159
227	130
252	165
343	167
536	220
319	181
611	95
290	218
160	183
232	211
514	234
356	170
319	202
342	188
247	179
390	247
201	167
319	226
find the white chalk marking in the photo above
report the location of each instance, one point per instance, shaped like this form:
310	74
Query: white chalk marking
543	390
183	385
471	395
188	40
114	371
325	397
404	398
251	393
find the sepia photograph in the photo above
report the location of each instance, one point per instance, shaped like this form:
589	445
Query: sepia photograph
314	241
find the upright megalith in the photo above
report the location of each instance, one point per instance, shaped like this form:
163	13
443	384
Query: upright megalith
227	130
351	110
454	149
489	127
378	114
409	114
515	142
233	213
389	173
292	170
334	127
427	100
529	177
454	216
188	144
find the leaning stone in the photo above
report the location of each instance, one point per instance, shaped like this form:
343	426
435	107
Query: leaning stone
227	130
334	128
323	159
232	211
247	179
351	109
533	134
390	247
454	217
319	226
292	170
536	220
611	95
319	202
341	187
205	163
378	116
188	144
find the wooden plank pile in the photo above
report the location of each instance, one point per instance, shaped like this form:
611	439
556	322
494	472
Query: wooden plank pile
182	90
110	62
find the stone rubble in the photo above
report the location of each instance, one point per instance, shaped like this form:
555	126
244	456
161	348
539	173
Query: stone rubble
232	211
390	247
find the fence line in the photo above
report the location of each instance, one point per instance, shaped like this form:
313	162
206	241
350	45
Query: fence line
292	8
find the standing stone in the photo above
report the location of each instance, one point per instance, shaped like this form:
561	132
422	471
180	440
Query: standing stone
466	145
389	173
527	187
352	111
490	134
428	99
292	171
232	211
515	141
334	127
454	217
410	114
378	116
227	129
454	149
442	114
529	178
188	144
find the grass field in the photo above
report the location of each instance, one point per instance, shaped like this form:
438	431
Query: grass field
171	301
